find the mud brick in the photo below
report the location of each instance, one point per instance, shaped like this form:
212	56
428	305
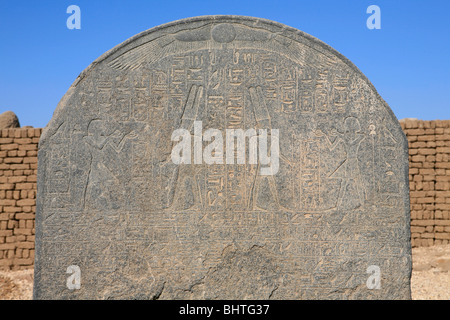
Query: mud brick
6	140
442	186
11	209
416	132
7	246
24	262
30	160
18	231
24	186
27	147
442	235
26	245
410	124
12	224
6	233
21	153
29	224
413	171
21	166
422	223
426	151
9	146
418	230
442	222
427	235
24	216
443	150
7	202
418	158
430	159
439	200
442	206
443	178
419	138
7	186
26	202
418	144
18	172
18	253
32	178
17	179
428	165
22	141
30	132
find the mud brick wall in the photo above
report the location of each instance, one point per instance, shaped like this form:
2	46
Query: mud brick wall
429	178
18	171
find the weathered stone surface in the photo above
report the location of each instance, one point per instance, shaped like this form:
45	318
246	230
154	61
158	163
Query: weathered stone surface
112	201
8	120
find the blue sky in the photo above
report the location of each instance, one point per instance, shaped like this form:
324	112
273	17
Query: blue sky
407	60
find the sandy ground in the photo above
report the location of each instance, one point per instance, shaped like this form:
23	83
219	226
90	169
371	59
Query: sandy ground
430	277
431	273
16	285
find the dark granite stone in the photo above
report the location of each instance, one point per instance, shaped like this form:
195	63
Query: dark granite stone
331	220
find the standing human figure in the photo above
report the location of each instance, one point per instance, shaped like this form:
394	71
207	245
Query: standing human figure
351	194
102	185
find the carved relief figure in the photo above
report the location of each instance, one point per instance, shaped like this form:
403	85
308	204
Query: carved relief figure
184	190
102	182
350	193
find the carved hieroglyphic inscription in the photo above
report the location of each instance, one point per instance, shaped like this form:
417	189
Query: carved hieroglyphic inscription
112	202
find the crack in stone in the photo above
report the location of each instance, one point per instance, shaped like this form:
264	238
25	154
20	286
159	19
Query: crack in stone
159	292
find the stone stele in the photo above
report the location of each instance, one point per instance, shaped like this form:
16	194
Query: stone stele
118	219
